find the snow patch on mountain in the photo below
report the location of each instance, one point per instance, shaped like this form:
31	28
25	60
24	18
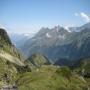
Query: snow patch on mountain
48	35
67	28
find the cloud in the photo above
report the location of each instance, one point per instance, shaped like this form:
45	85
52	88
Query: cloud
83	15
86	17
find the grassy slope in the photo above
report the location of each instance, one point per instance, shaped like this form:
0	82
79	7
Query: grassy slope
38	60
83	68
51	78
9	69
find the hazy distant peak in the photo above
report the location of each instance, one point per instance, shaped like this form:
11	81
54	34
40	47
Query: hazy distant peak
57	28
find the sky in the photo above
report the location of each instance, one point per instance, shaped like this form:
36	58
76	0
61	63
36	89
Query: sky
28	16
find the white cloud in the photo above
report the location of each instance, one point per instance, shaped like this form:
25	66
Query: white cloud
83	15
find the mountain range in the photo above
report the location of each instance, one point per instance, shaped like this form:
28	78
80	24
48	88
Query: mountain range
58	44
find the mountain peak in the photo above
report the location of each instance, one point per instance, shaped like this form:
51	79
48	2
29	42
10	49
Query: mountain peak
4	39
57	28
